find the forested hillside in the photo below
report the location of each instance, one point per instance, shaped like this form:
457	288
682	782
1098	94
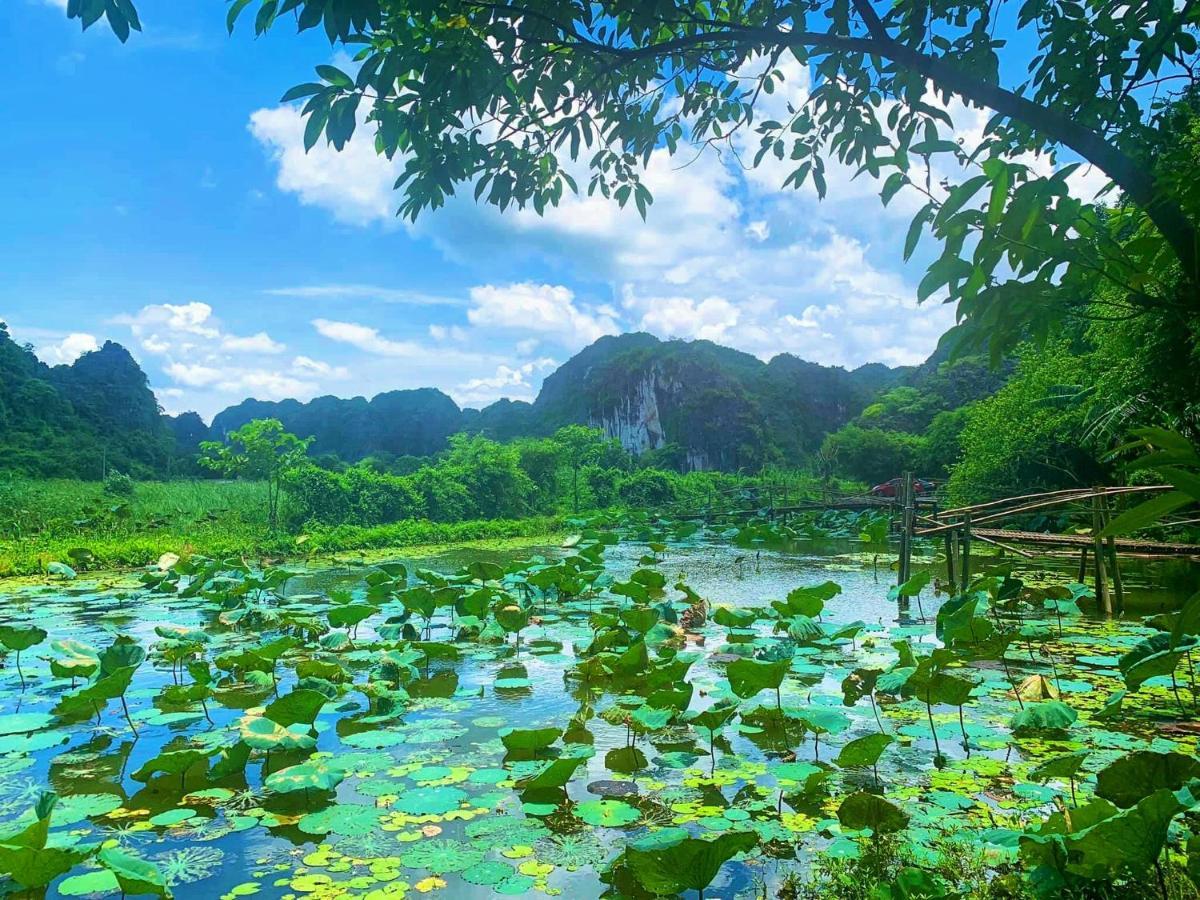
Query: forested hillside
1046	417
679	404
79	420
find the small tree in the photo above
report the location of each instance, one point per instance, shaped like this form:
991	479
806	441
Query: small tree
260	449
581	446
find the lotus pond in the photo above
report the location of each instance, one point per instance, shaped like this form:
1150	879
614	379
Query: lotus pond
643	712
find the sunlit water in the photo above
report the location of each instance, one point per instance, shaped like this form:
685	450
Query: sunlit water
243	840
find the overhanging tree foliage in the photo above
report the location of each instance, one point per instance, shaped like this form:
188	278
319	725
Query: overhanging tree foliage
504	96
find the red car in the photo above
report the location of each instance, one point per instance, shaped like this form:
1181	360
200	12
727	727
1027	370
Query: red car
892	488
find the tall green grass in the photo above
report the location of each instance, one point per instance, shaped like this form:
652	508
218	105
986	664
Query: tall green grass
41	521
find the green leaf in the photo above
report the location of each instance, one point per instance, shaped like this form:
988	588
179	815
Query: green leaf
1139	774
1149	513
260	733
686	864
1000	176
1157	655
1048	715
21	637
529	739
299	706
864	810
1059	767
305	776
1187	622
864	751
135	875
555	774
235	10
300	91
749	676
173	762
607	813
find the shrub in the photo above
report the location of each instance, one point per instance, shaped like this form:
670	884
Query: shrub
871	454
118	485
646	487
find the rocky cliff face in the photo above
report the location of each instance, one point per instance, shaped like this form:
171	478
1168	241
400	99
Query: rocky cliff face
713	406
636	421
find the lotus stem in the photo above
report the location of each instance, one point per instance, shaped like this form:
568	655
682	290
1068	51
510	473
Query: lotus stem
128	718
875	709
1012	681
929	712
1175	690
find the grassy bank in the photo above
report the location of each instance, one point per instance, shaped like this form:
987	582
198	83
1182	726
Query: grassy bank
42	521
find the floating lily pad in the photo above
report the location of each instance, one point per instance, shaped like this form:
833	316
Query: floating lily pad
430	801
607	813
442	856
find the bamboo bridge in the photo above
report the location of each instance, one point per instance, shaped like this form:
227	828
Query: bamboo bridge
918	516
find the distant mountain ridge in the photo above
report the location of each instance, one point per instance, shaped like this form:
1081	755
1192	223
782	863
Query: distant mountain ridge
695	403
710	406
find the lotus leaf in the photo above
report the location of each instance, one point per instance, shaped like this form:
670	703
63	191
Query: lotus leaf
686	864
864	810
607	813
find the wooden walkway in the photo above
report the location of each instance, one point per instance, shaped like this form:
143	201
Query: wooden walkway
916	516
1047	539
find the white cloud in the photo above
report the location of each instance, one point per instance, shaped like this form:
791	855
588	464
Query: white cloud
759	230
355	184
160	321
255	343
512	382
194	375
189	330
365	292
364	338
709	319
539	307
725	254
447	332
267	385
309	366
69	349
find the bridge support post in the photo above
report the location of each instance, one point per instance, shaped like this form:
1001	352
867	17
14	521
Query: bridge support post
1103	599
966	551
906	532
1111	542
950	567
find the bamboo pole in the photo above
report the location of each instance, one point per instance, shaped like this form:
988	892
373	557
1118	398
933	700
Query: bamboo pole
1082	565
950	568
976	536
1083	493
1111	546
966	551
1103	600
1004	514
907	528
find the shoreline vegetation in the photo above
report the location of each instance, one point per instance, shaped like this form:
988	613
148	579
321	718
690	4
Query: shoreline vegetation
238	528
481	490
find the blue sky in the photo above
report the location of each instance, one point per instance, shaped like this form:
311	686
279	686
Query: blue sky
155	193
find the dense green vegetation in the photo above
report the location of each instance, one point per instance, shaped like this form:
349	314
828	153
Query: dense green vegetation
79	420
287	503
